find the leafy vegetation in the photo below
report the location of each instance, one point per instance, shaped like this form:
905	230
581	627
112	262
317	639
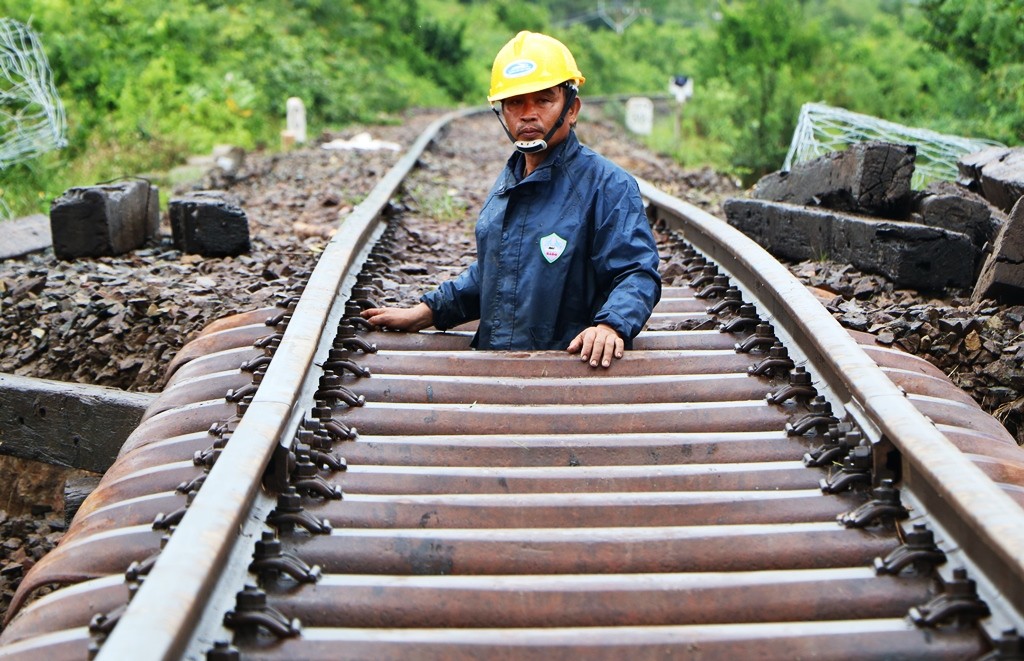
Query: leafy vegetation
146	83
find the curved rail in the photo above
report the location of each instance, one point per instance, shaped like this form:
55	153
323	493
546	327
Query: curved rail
981	517
207	558
161	618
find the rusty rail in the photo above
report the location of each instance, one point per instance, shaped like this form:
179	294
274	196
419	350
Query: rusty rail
162	617
523	505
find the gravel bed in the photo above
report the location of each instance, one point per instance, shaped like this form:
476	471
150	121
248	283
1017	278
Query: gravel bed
117	321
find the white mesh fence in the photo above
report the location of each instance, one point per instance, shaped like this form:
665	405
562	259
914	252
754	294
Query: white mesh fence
822	129
31	114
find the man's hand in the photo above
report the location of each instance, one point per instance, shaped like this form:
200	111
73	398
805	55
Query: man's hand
599	344
404	319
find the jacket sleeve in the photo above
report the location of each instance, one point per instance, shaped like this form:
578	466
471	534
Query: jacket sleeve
456	301
625	259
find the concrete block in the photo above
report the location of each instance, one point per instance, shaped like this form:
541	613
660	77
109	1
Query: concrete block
209	223
871	178
997	173
1002	275
911	255
110	219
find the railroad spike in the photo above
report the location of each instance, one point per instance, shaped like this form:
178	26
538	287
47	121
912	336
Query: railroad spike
719	285
856	470
746	319
707	276
763	337
253	612
819	419
777	362
289	513
306	478
270	559
347	339
799	387
834	449
257	362
732	299
339	359
919	552
352	316
168	521
959	603
884	507
271	342
192	485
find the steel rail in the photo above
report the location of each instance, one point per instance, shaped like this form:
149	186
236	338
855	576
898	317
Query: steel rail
984	521
171	613
160	621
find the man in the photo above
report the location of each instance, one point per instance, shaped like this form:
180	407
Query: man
565	255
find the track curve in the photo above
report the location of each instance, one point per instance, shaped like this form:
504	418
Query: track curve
764	484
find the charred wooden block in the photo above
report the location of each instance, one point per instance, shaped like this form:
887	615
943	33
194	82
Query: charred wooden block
870	177
104	220
209	223
997	173
1002	275
955	208
911	255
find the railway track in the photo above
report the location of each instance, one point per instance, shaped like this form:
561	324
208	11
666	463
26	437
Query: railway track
754	482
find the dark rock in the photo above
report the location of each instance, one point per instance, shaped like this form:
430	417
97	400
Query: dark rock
911	255
104	220
870	177
209	223
997	173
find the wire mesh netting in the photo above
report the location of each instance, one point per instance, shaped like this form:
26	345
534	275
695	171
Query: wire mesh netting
31	114
822	129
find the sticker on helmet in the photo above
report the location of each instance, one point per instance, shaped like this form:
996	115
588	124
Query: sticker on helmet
552	246
519	68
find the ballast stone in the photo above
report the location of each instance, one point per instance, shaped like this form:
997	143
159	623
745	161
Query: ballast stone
911	255
105	220
209	223
870	178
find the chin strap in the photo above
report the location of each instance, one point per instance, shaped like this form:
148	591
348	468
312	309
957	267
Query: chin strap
534	146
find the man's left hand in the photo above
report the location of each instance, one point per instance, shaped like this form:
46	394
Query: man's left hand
599	344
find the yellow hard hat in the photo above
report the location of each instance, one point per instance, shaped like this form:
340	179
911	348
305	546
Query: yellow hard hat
529	63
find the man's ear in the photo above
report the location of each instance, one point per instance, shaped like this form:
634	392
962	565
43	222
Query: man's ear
574	111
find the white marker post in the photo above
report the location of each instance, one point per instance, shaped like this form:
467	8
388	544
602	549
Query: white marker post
640	115
296	122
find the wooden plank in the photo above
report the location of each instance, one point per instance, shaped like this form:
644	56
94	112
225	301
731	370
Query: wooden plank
66	424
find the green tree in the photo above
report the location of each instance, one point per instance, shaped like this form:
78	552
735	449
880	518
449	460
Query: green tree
763	49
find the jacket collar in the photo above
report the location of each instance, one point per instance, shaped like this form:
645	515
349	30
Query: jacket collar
562	152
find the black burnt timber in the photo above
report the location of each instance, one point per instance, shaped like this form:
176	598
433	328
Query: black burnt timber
871	178
66	424
953	207
104	220
209	223
1002	275
911	255
997	173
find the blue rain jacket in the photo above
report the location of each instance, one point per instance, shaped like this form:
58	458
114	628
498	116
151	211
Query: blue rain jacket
566	248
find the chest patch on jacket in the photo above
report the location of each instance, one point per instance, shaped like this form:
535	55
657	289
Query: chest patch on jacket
552	246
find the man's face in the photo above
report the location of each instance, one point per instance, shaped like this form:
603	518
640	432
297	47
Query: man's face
531	116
